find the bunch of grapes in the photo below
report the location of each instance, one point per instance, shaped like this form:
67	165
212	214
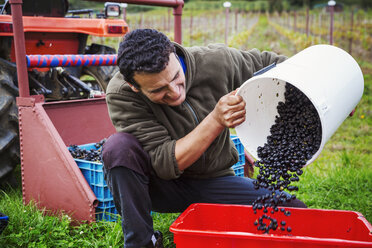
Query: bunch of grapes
94	155
294	138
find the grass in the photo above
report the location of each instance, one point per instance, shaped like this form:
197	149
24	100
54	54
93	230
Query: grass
341	177
341	185
30	227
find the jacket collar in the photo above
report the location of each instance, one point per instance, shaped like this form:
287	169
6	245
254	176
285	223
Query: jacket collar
190	65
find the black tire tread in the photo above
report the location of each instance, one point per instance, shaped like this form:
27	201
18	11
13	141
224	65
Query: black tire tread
9	134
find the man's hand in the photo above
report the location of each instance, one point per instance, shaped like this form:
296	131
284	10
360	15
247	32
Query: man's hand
230	110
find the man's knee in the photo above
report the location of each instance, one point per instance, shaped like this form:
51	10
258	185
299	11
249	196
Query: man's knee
123	149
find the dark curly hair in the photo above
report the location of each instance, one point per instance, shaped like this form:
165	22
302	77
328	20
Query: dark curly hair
143	50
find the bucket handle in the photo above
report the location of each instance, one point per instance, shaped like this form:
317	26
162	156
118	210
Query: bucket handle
265	69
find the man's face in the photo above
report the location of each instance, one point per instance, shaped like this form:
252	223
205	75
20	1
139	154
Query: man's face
166	87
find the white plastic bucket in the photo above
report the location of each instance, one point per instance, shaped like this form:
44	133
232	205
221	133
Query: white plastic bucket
327	75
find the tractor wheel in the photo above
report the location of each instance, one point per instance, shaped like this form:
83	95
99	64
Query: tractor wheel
98	77
9	135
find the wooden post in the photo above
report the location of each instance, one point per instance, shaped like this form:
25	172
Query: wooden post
307	21
169	20
236	20
351	31
164	23
205	34
214	25
343	17
320	25
141	20
226	24
124	14
331	10
191	19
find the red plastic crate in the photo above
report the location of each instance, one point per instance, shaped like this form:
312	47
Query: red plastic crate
220	225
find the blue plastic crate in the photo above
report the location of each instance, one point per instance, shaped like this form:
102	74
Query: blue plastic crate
106	211
239	166
93	173
3	222
239	170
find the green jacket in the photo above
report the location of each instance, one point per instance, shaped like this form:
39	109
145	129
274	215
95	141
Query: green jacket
211	73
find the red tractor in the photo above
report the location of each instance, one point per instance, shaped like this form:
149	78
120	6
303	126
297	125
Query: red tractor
49	28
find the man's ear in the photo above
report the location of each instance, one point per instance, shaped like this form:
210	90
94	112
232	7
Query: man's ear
133	88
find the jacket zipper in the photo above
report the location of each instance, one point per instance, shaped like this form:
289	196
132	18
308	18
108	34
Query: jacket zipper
192	112
197	123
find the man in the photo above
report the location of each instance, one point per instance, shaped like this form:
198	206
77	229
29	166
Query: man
172	108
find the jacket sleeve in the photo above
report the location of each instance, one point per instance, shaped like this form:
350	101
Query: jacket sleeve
130	113
248	62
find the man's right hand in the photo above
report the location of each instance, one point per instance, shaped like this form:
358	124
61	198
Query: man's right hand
230	110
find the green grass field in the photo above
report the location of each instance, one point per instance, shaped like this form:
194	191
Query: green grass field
341	177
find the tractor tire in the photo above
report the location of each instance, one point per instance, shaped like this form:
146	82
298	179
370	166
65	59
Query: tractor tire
101	74
9	134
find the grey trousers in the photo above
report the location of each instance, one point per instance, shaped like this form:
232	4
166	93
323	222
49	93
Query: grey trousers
137	190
